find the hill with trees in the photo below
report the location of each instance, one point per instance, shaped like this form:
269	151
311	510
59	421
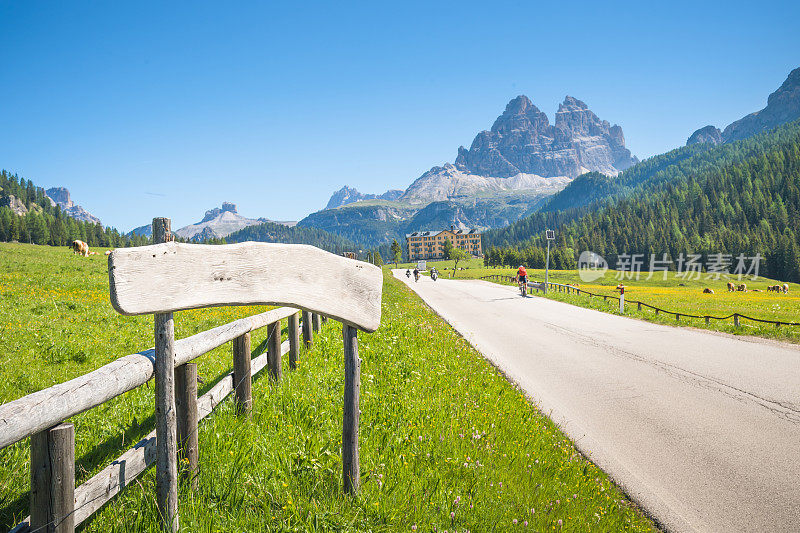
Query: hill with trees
28	215
742	197
273	232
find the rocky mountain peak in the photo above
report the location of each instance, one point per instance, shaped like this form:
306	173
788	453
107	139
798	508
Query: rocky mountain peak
707	134
522	141
782	106
211	214
348	195
60	195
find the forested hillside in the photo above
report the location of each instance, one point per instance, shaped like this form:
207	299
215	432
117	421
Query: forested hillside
45	223
742	197
271	232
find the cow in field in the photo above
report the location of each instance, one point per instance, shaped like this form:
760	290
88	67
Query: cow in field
708	291
731	286
108	252
80	247
785	288
742	287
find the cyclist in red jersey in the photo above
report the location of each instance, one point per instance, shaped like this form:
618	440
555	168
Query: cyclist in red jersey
522	275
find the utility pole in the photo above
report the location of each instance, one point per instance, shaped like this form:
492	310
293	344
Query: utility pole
549	235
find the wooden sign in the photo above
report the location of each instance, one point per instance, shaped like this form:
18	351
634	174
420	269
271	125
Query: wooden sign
172	276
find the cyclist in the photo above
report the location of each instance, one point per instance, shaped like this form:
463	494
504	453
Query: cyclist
522	276
416	274
408	274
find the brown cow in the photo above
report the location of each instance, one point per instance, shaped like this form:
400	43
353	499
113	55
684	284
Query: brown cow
785	288
80	247
742	287
731	286
708	291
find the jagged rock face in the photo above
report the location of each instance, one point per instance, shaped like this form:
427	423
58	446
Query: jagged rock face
218	222
348	195
782	106
16	205
213	213
707	135
522	141
61	196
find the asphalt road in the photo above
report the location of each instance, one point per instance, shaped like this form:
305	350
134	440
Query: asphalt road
701	429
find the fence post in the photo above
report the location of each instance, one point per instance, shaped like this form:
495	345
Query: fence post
53	480
294	339
316	322
657	311
638	306
166	431
186	407
352	386
242	375
274	351
622	303
736	319
677	317
308	334
708	320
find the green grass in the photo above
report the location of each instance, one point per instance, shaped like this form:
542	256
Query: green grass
681	296
442	431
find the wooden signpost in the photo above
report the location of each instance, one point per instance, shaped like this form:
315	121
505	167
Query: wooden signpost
169	276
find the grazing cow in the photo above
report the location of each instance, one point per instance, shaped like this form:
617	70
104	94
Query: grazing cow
708	291
80	247
785	288
742	287
770	288
731	286
108	252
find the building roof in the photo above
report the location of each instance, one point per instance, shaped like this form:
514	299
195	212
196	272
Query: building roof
437	232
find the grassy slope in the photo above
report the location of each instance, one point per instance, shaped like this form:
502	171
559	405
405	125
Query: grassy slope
681	296
442	431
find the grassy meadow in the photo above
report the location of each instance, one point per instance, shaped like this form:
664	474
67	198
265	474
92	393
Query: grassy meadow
680	295
447	444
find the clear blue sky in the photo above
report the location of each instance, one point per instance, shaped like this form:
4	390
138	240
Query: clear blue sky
166	109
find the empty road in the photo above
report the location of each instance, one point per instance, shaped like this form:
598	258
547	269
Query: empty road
701	429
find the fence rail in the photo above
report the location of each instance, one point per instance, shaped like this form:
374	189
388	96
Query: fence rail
571	289
163	278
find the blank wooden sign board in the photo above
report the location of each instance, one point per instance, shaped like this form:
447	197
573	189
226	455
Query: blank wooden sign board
167	277
170	277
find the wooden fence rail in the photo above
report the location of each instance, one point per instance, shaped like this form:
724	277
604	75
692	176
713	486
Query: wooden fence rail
167	277
570	289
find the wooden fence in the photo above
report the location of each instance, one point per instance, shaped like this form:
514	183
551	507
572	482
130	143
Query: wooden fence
167	277
569	289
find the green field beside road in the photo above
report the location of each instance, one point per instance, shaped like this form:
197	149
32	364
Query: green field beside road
679	295
447	443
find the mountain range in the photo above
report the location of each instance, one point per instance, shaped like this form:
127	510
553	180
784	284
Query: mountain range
508	172
217	223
